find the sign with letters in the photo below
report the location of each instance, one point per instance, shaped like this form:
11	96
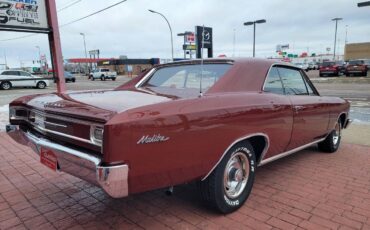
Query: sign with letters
23	15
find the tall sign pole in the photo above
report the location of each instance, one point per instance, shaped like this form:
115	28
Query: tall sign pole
55	45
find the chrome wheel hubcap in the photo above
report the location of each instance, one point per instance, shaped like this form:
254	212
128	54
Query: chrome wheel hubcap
236	175
336	134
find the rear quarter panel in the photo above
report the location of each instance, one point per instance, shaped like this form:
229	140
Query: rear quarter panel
199	132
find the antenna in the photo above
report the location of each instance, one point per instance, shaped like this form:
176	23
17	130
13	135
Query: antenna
201	66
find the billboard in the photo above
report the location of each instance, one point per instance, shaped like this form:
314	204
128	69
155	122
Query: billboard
23	15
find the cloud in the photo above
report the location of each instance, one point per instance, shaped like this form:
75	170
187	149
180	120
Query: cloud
129	29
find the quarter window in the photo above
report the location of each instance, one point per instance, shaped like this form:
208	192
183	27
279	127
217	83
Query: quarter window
292	81
273	82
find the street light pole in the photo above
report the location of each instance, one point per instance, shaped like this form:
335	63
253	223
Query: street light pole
335	39
346	40
254	32
83	35
169	26
38	47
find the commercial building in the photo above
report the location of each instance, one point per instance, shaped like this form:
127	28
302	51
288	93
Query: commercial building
357	51
129	66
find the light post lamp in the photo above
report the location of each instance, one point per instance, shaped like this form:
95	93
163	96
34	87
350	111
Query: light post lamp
254	32
169	26
363	4
38	47
335	39
84	38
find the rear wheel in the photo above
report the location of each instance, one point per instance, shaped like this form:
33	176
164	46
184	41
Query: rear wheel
230	183
113	79
6	85
102	78
41	85
332	141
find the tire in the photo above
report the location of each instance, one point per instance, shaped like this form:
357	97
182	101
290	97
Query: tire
222	196
113	78
93	78
102	78
321	75
41	85
332	141
73	80
6	85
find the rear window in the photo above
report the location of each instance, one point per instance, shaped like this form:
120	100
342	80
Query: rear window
356	62
187	76
328	64
104	70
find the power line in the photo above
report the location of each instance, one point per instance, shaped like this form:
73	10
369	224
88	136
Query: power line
69	5
69	23
92	14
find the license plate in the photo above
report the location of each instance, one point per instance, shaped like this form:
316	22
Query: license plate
48	158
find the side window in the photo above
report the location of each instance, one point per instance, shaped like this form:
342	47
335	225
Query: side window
292	81
25	74
273	82
309	88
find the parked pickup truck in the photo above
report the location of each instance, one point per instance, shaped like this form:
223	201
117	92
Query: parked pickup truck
102	74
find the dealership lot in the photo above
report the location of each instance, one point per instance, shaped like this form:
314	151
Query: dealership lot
332	193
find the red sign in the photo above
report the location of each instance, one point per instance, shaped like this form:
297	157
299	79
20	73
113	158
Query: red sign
190	38
48	158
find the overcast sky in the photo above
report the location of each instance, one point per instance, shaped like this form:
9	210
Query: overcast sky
129	29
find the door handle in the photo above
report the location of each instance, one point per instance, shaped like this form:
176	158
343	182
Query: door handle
297	108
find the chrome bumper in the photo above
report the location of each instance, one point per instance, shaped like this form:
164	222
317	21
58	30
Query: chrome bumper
113	179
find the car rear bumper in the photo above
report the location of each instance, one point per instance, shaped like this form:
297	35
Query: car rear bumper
113	179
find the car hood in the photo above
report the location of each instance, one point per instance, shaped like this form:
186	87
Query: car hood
94	105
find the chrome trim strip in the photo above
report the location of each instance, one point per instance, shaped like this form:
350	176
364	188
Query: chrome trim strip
237	141
145	78
63	118
55	124
284	154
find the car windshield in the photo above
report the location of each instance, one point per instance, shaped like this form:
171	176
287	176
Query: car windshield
356	62
176	80
328	64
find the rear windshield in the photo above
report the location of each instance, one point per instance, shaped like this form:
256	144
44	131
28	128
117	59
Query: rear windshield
104	70
356	62
328	63
186	77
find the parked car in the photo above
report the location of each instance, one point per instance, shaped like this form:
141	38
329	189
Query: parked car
103	74
329	68
303	66
341	65
213	122
69	77
313	66
18	78
356	67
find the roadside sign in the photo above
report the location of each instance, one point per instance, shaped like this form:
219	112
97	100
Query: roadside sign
190	38
189	47
27	15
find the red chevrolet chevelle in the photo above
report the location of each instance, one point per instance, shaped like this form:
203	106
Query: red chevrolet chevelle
213	121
